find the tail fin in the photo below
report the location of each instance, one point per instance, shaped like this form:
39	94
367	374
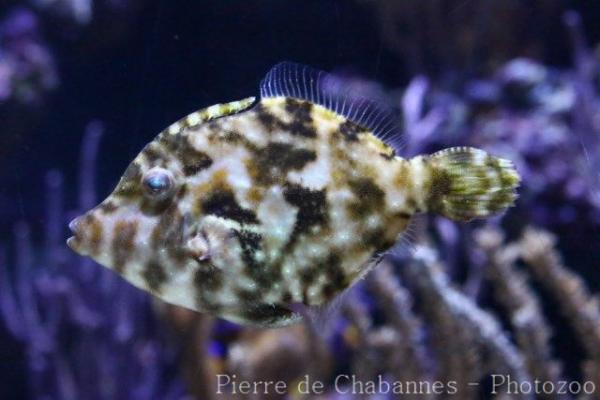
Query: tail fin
469	183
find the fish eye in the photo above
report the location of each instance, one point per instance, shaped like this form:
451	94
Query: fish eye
158	183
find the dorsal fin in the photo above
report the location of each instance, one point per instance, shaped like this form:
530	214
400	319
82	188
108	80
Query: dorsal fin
210	113
288	79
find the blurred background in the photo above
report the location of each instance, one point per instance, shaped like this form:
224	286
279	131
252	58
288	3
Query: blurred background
84	84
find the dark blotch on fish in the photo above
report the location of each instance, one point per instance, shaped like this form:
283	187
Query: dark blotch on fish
308	276
250	243
234	138
168	233
129	186
265	314
151	153
287	297
171	143
154	275
223	204
108	207
334	271
440	186
350	130
273	161
123	244
285	156
375	239
302	122
152	207
388	156
94	233
193	161
312	207
197	166
336	279
267	120
248	296
369	197
208	278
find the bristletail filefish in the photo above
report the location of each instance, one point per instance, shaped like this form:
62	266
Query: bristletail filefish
247	209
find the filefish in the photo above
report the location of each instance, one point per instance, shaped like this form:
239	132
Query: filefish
249	209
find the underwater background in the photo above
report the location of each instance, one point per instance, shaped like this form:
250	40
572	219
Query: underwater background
85	84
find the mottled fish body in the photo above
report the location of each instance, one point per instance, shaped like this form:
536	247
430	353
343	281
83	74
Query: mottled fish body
245	209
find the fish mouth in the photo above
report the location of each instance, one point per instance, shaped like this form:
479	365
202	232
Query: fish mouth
74	242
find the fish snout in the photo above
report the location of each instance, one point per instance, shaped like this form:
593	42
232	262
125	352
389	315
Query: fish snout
74	242
87	234
74	224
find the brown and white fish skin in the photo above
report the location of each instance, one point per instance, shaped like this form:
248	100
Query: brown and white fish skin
281	203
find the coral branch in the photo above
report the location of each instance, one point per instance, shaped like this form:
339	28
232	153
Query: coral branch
460	330
407	355
576	303
510	286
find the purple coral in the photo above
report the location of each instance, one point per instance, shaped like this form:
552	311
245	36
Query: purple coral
27	68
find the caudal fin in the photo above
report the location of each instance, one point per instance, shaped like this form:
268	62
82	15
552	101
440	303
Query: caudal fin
469	183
